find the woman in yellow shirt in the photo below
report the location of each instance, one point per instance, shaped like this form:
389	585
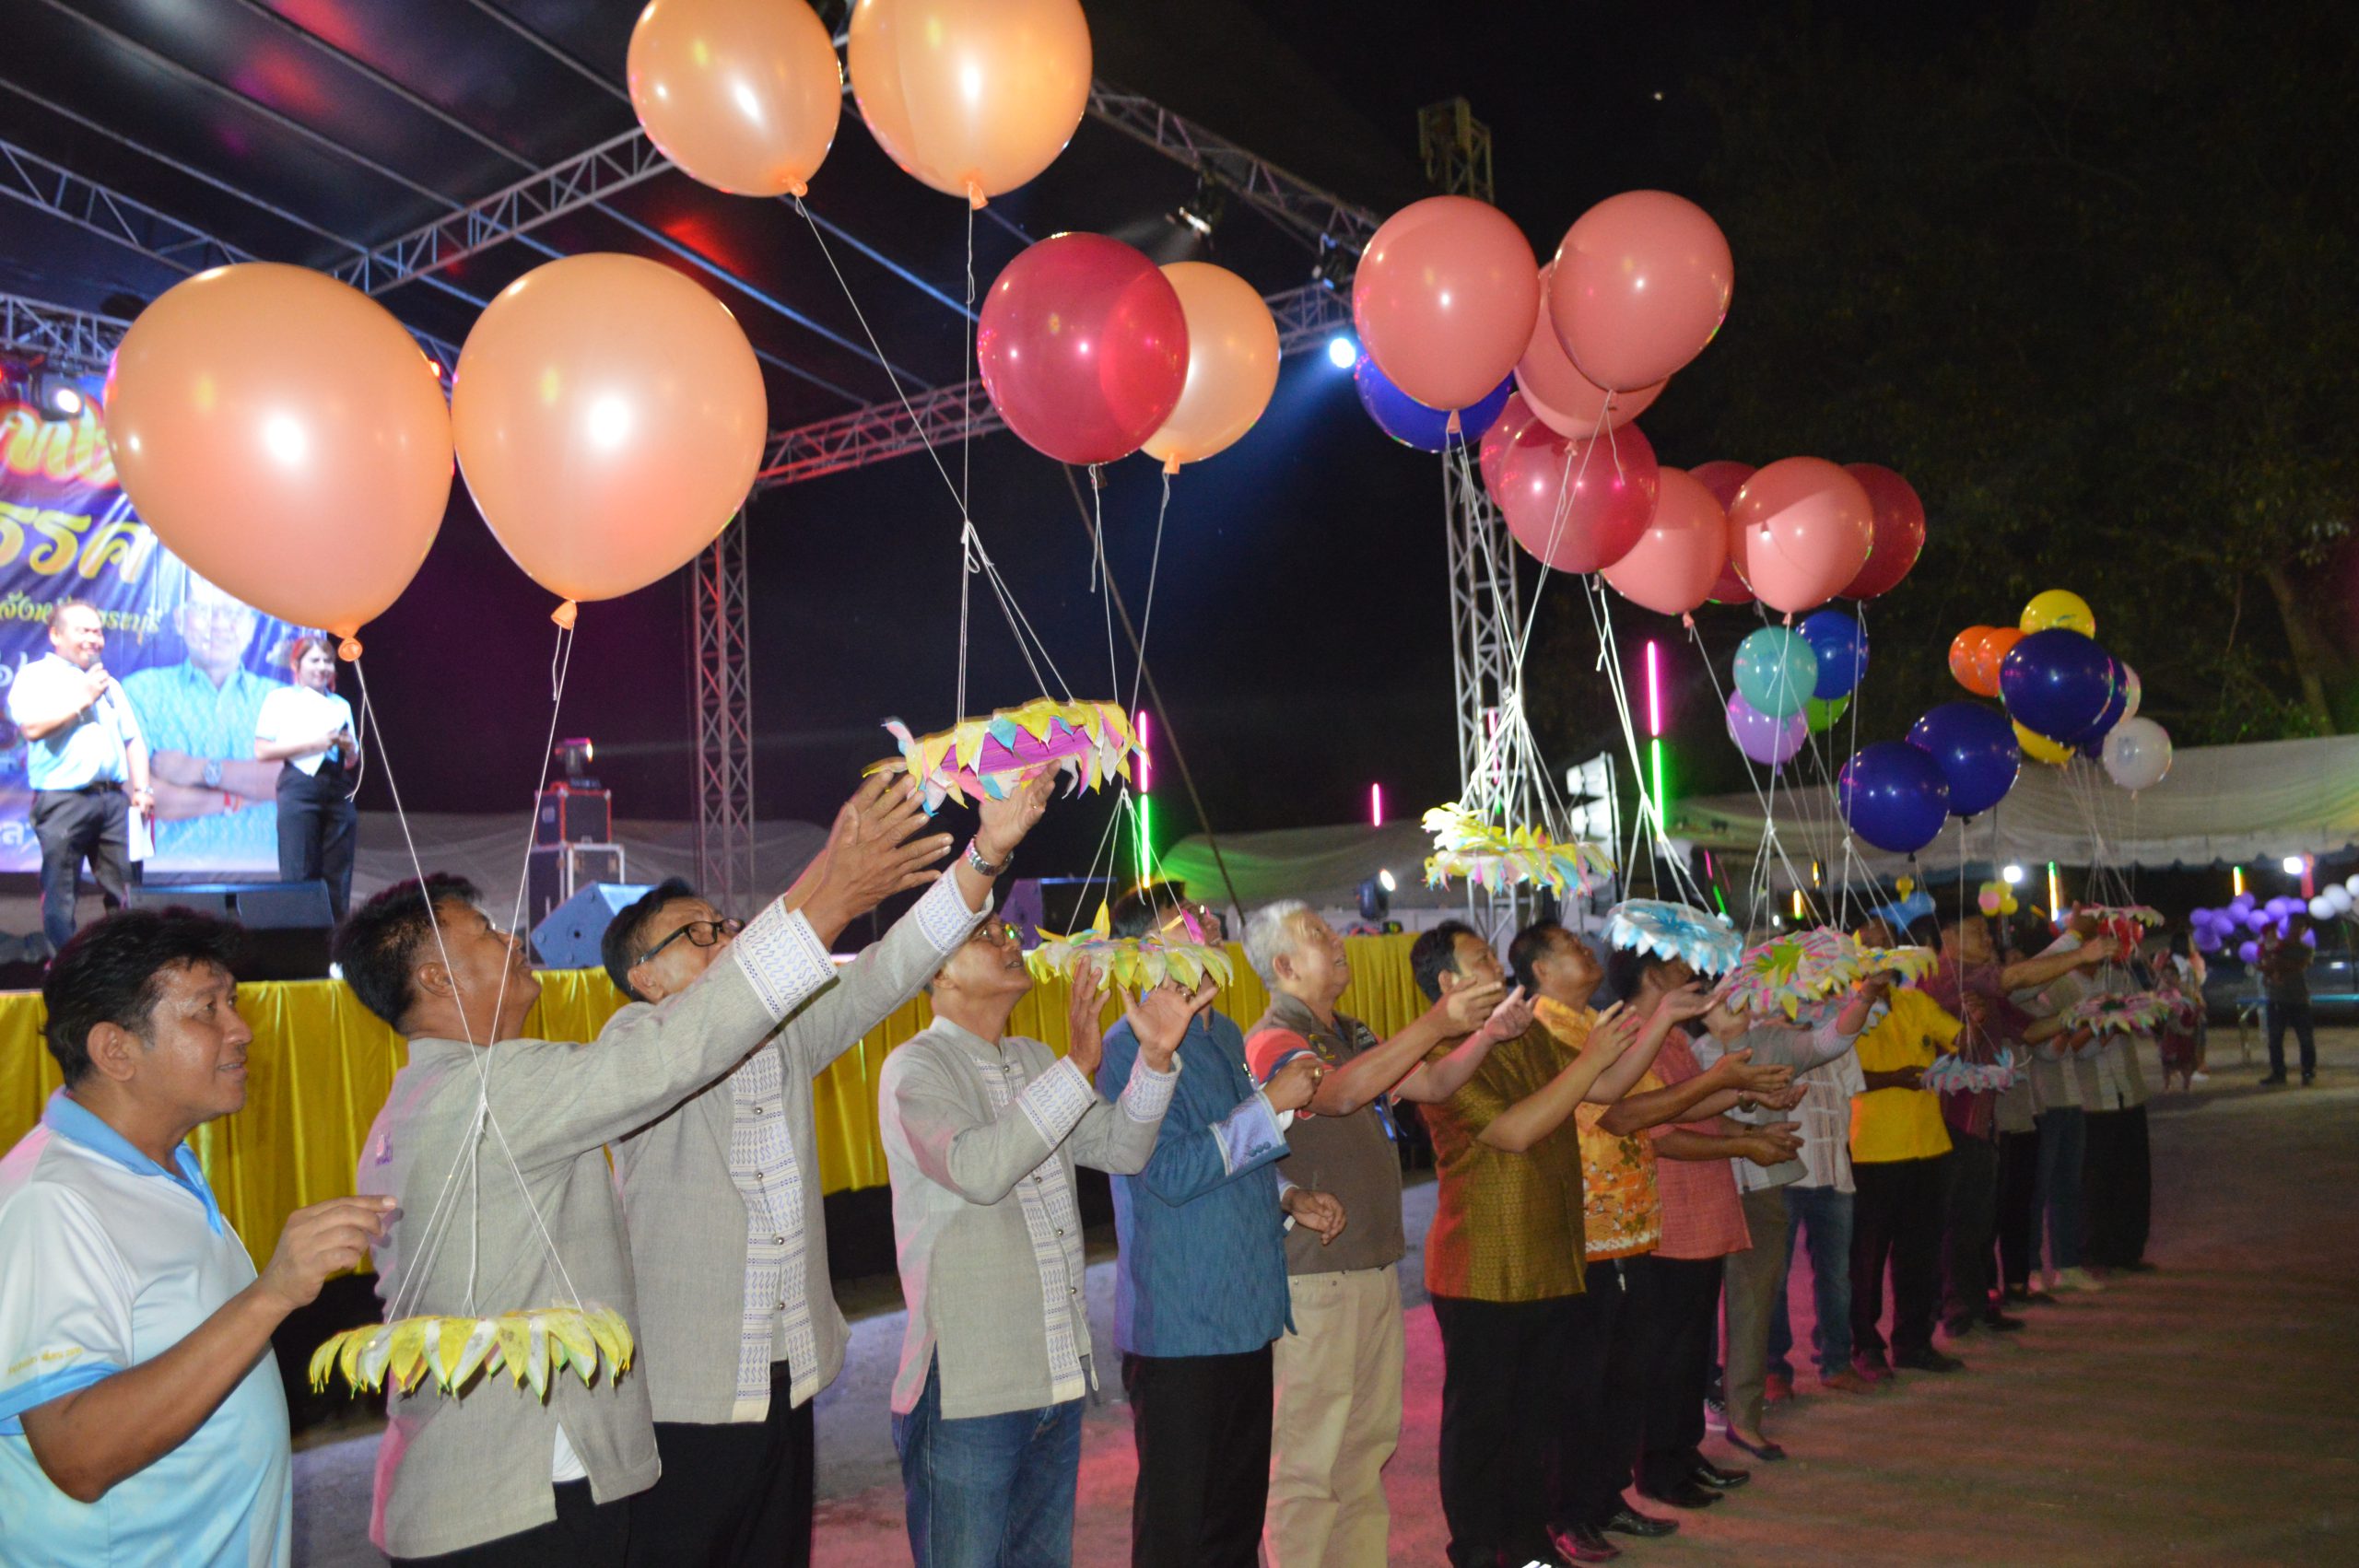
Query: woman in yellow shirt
1899	1163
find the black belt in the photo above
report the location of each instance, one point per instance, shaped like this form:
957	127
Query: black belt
97	787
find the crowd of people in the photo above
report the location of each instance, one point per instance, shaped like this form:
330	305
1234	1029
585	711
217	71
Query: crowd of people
1625	1160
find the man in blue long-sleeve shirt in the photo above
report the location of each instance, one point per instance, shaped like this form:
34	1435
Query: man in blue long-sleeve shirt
1200	1288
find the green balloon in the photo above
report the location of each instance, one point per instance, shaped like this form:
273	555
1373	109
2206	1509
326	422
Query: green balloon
1821	714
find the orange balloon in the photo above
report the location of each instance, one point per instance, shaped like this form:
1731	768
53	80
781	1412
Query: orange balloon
1992	653
1964	648
282	434
973	96
1232	365
1566	401
743	94
610	417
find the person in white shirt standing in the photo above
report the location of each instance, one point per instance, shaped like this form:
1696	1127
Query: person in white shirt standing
309	728
141	1416
85	747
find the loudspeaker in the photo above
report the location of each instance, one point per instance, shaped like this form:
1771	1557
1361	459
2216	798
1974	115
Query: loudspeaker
569	938
570	815
554	872
289	925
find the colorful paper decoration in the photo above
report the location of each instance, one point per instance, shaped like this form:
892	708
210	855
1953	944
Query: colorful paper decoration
1708	943
992	759
2110	1013
530	1345
1178	952
1787	971
1953	1075
1494	857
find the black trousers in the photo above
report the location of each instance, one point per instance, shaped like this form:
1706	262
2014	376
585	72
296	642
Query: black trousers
318	829
731	1494
74	826
2118	1189
2018	1206
584	1534
1611	1344
1201	1426
1897	1220
2283	1015
1973	1223
1502	1375
1687	1300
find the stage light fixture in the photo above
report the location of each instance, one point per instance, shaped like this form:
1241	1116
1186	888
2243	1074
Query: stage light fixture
576	754
1376	897
2011	874
1384	880
60	398
1342	352
2293	865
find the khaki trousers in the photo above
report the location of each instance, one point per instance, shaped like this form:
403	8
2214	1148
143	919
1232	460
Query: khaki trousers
1337	1421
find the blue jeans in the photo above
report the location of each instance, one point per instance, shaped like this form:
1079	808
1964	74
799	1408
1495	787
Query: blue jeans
1826	1215
2063	1140
989	1492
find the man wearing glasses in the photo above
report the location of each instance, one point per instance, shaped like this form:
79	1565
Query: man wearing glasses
738	1328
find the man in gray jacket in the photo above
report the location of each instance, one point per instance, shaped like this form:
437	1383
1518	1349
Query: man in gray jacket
495	1146
738	1328
981	1132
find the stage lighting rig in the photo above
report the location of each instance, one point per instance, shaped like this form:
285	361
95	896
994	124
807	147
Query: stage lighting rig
576	755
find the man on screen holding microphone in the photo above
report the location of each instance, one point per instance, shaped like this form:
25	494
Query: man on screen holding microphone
83	746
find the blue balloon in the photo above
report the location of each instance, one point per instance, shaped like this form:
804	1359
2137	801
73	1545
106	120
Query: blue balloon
1776	670
2092	739
1411	423
1976	749
1841	644
1893	796
2057	684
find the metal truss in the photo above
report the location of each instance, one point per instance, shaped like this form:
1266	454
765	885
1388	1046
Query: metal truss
1318	219
1306	316
79	343
725	720
581	181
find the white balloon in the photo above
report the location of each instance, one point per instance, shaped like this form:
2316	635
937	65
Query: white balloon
2351	884
2136	753
2320	908
2339	895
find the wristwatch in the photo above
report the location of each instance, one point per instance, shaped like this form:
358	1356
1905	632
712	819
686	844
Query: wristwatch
984	869
213	773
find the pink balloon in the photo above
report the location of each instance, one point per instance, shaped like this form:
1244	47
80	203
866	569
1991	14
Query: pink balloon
1676	562
1642	283
1800	529
1577	505
1082	347
1514	419
1566	401
1723	479
1444	298
1899	530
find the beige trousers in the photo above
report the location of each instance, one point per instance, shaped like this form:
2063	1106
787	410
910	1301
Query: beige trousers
1338	1418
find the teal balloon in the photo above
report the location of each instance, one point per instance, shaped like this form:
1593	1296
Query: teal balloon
1820	713
1776	670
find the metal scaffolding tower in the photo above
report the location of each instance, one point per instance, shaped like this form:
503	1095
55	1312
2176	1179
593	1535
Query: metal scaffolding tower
723	701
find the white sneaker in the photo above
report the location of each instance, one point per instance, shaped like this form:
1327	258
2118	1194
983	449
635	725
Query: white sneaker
2075	1278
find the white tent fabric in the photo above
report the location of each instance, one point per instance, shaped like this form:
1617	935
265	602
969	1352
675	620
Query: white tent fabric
2221	805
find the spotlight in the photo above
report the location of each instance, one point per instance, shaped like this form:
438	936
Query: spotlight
1376	897
1335	267
1384	880
61	399
1342	352
1202	212
2012	874
2293	864
577	756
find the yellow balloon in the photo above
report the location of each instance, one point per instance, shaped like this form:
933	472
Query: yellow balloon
2039	748
2058	607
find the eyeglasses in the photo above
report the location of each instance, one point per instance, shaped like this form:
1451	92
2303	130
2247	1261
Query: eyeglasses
701	933
999	933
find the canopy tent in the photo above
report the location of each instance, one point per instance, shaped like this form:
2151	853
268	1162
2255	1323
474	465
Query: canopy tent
2221	805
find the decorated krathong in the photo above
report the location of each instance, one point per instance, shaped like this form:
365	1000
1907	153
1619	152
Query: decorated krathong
1496	858
1177	951
990	758
1789	971
1707	943
532	1346
2113	1013
1953	1075
2126	923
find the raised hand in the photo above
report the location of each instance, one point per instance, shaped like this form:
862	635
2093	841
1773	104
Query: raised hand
878	847
1001	824
1084	1028
1160	1018
1467	1007
1615	1031
1772	1144
1510	1018
1687	1003
324	1239
1785	1100
1292	1085
1738	1070
1322	1213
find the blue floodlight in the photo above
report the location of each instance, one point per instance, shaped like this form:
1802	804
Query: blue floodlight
1342	352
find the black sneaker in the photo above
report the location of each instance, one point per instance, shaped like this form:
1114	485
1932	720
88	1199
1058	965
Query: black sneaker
1928	1360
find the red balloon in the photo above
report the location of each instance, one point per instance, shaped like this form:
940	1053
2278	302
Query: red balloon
1577	505
1799	531
1082	347
1724	479
1445	298
1679	559
1643	281
1899	530
1566	401
1515	417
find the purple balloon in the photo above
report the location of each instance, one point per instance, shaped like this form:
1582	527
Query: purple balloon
2257	921
2249	952
1762	738
2207	940
2240	905
2309	937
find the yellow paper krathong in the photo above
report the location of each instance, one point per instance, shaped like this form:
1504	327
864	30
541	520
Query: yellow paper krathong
992	758
1493	857
533	1346
1796	969
1136	963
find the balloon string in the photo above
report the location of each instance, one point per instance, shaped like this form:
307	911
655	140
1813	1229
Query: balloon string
1766	801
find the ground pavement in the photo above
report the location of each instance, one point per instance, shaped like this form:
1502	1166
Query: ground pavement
2199	1414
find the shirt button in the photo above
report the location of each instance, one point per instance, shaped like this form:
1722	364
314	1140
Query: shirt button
779	1240
1072	1290
1061	1230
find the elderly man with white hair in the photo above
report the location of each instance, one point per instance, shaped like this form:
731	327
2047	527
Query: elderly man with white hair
1337	1375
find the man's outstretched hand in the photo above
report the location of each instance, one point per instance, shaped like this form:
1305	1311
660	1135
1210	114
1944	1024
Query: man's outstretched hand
878	847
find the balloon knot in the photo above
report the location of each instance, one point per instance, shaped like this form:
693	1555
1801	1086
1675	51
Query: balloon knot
1170	465
348	651
565	614
1687	619
1451	426
800	189
975	197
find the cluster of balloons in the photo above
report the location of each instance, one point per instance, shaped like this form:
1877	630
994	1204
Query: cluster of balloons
2246	918
1795	681
1996	898
2063	692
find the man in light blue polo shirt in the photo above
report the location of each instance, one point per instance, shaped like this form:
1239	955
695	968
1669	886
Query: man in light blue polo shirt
83	746
141	1416
217	805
